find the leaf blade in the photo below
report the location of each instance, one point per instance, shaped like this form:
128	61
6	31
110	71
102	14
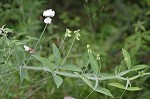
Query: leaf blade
138	67
133	88
93	62
103	91
45	62
56	54
71	67
58	80
127	58
87	81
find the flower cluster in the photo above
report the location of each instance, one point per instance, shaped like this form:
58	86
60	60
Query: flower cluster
68	33
88	47
48	14
77	34
98	57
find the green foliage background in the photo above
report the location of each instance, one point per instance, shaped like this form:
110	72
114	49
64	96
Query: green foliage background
106	25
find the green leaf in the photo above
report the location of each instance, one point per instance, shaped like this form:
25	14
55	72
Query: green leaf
35	68
146	37
85	79
66	74
71	67
20	55
138	43
103	91
134	88
134	77
118	85
127	58
45	62
123	73
23	73
98	89
93	63
56	54
138	67
2	39
58	80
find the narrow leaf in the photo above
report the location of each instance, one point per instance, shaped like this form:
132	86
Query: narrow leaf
98	89
146	37
71	67
58	80
123	73
134	77
118	85
134	88
56	54
85	79
104	91
20	55
66	74
138	43
138	67
22	73
93	62
127	58
45	62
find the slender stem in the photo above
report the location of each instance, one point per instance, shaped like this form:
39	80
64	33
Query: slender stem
86	67
40	37
58	49
66	55
73	75
37	43
122	94
89	94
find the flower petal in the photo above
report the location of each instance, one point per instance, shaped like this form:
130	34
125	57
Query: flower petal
47	20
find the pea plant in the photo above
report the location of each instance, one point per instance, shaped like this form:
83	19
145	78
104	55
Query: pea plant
13	55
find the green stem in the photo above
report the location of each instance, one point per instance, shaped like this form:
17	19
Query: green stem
58	49
37	42
40	37
72	75
66	55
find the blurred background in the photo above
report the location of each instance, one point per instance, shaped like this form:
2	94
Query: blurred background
106	25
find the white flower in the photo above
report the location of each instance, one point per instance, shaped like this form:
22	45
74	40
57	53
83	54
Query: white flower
88	46
98	57
47	20
49	13
26	48
77	34
68	33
